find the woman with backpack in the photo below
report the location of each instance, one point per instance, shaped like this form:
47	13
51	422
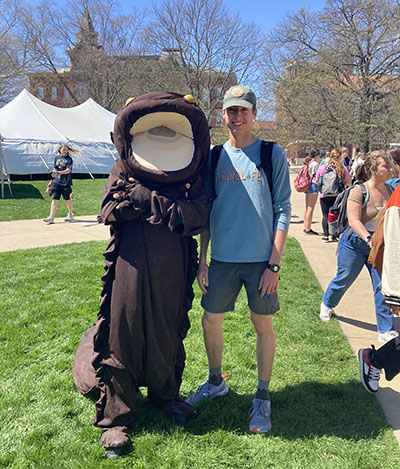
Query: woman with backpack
333	178
312	192
355	242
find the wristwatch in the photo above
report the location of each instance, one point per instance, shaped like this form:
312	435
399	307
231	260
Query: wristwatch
274	267
368	238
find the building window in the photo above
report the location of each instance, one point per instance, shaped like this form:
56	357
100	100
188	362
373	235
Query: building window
82	91
220	93
53	93
206	95
41	92
218	120
66	93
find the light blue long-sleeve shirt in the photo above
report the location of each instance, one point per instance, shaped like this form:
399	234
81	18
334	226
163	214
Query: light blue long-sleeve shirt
244	215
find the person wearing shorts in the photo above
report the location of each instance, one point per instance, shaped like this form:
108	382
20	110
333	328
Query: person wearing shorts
248	227
61	183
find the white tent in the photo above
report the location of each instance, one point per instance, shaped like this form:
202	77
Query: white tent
31	132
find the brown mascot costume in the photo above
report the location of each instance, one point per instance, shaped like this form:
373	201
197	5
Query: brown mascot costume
154	201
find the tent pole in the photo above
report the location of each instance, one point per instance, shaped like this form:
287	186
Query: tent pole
3	172
40	156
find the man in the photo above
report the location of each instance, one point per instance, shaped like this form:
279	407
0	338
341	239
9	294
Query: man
248	228
386	357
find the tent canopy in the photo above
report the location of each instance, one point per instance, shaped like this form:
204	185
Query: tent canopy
31	132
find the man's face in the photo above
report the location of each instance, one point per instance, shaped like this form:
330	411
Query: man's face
239	119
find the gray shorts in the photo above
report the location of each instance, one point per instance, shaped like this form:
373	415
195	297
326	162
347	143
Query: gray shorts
225	282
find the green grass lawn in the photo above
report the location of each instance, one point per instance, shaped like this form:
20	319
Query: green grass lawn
321	415
29	200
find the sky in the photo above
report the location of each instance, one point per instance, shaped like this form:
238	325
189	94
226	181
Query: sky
265	13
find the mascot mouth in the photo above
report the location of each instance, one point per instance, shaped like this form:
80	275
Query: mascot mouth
163	141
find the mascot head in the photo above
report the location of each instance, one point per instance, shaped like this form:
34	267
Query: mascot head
162	136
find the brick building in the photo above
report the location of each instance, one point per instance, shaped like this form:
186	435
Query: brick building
94	74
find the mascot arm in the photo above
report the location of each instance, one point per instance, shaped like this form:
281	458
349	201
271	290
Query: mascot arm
126	199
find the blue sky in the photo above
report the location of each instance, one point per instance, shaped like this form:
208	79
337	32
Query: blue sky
265	13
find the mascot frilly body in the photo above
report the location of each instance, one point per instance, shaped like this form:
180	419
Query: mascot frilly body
154	202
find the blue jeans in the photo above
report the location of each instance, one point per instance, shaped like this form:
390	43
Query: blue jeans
352	255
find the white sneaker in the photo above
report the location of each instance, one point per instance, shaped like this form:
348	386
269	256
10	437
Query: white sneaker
49	220
69	217
325	312
386	336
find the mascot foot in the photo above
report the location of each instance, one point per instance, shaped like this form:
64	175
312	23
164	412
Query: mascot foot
179	412
116	442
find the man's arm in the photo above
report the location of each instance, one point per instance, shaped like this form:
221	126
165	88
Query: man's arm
269	280
202	273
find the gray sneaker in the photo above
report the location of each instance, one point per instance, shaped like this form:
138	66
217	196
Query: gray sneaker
49	220
69	217
208	391
260	416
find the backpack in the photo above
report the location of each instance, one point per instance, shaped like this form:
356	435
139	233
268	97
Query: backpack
339	208
329	182
378	241
303	180
266	164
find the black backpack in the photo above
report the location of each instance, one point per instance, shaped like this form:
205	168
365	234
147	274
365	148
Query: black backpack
337	227
266	164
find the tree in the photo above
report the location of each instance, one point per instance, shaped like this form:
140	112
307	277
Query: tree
13	50
209	47
104	63
344	61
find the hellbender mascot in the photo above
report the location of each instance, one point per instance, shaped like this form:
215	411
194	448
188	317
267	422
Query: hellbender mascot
154	202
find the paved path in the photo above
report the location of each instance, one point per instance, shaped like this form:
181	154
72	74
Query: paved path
355	312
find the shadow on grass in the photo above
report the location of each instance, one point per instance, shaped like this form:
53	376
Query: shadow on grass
23	191
306	410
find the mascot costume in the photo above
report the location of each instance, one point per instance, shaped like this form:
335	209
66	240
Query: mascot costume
154	201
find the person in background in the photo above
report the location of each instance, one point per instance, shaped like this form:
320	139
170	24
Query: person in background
312	192
358	160
387	357
62	182
253	259
344	153
355	242
327	201
394	153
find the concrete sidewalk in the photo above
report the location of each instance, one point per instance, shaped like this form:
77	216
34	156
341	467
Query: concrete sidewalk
355	312
25	234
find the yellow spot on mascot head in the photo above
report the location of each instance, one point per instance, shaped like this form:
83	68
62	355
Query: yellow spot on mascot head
189	98
129	100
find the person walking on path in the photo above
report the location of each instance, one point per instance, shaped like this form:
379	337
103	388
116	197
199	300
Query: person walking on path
62	182
355	242
387	357
248	227
312	192
327	197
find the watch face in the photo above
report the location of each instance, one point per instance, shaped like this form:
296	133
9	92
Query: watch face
274	267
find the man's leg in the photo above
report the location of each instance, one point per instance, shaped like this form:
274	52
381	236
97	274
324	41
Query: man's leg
215	386
53	208
213	337
265	344
260	413
69	205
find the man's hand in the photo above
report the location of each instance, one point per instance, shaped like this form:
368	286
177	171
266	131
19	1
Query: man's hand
395	309
202	277
268	282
